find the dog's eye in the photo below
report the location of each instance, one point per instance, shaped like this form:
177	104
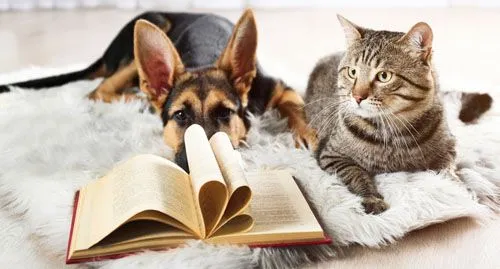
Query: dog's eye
180	116
223	113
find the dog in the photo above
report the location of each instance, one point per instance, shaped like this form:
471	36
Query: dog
194	69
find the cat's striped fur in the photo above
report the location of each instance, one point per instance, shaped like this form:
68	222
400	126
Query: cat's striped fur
370	122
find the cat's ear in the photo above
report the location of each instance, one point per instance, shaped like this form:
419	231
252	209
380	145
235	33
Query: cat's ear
239	57
157	62
352	31
419	39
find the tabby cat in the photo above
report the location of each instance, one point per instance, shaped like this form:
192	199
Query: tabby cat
377	109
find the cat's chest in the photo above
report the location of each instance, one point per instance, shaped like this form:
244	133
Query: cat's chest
391	155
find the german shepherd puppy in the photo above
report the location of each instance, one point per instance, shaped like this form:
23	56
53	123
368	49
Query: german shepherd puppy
204	72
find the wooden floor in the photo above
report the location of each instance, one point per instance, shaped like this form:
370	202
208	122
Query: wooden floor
466	45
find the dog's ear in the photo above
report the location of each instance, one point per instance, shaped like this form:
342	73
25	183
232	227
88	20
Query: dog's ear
239	56
157	60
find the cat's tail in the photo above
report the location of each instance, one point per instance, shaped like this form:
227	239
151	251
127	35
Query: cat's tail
473	105
91	72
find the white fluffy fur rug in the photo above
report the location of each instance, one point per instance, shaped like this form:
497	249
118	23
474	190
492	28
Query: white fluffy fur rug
53	142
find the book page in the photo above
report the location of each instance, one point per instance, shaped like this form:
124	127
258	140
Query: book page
240	223
140	231
280	211
278	202
228	159
208	185
143	183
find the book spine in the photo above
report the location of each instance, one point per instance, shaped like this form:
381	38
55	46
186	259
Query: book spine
75	205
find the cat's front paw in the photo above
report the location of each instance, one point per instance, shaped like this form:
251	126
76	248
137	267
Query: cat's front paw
374	205
306	136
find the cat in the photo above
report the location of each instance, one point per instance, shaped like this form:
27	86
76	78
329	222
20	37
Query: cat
377	109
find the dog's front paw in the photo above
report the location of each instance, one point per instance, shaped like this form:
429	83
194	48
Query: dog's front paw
374	205
306	136
109	98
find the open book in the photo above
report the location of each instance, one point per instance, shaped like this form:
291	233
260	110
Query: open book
149	202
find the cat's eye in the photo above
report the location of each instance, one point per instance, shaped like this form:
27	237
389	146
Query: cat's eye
351	72
384	76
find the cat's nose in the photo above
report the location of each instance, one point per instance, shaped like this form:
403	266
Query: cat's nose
360	98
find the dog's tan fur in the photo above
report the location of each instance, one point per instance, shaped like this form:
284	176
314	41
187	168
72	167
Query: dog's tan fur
159	68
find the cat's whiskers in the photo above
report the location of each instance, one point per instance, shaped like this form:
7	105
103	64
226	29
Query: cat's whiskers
325	98
399	140
401	118
410	132
379	118
374	67
391	132
332	105
405	123
330	118
326	120
317	116
385	135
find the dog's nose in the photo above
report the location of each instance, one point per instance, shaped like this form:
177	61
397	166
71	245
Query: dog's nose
360	98
181	158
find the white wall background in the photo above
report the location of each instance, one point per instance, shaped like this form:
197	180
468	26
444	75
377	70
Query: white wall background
6	5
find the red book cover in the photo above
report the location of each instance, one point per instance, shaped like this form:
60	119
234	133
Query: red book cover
325	240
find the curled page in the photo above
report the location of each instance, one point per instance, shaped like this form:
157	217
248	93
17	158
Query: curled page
208	184
240	193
